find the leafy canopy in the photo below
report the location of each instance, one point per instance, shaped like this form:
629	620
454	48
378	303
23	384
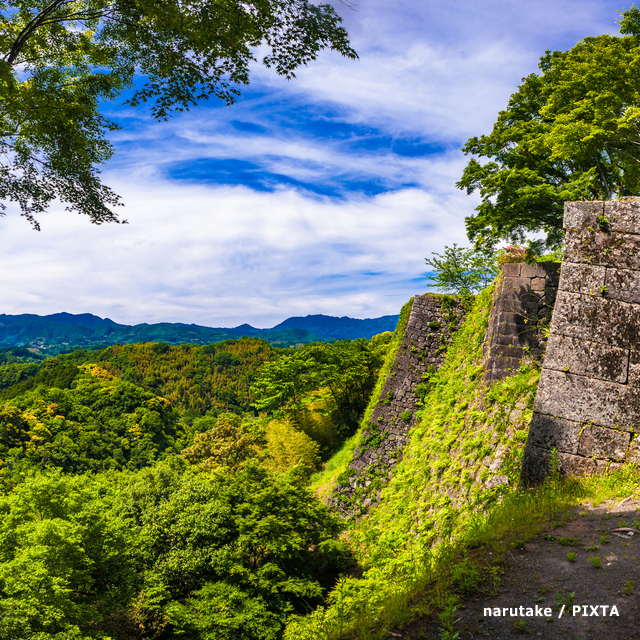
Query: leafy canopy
59	59
340	375
461	270
571	132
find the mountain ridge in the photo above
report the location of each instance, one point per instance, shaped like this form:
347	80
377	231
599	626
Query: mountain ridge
59	332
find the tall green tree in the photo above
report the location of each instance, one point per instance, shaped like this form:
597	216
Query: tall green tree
571	132
61	58
462	270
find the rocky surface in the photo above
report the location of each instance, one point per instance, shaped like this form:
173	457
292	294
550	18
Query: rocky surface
430	326
588	401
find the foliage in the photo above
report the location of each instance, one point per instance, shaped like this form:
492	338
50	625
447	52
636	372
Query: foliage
569	133
81	420
165	551
194	379
226	443
463	271
61	553
339	375
12	355
62	59
250	537
288	447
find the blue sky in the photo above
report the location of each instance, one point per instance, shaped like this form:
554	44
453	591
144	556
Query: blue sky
319	195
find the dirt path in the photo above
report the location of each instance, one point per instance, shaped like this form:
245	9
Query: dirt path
539	578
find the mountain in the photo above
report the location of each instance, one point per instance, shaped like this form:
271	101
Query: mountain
60	332
344	328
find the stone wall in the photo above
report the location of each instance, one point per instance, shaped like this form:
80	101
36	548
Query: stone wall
588	401
522	304
432	321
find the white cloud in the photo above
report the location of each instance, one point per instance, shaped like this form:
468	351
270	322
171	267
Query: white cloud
225	255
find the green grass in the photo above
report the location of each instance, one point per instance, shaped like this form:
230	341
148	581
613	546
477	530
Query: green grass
397	591
322	481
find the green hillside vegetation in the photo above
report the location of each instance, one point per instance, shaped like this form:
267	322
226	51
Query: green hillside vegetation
134	504
194	379
83	419
163	552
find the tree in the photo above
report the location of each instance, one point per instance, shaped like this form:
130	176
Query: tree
340	376
62	58
461	270
571	132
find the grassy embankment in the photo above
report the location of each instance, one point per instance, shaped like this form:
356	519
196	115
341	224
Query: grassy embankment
441	524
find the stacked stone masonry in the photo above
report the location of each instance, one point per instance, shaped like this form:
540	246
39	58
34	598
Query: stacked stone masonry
428	332
588	403
522	304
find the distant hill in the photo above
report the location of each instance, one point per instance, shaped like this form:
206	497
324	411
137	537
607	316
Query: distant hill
330	327
62	332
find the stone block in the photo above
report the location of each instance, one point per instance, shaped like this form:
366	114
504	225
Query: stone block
580	215
623	216
530	307
623	284
536	465
598	319
634	367
538	284
583	399
511	269
528	270
505	351
582	278
604	443
507	340
633	453
550	432
595	247
586	358
548	270
571	465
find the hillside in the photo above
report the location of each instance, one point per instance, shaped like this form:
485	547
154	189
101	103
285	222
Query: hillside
193	379
64	332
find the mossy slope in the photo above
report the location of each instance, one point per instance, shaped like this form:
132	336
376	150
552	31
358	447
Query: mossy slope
463	454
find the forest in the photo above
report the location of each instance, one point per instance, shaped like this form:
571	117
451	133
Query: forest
158	491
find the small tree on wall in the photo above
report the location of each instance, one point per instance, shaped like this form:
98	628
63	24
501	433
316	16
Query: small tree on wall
462	270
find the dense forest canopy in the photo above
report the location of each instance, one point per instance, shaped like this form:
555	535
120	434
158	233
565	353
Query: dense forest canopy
155	491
